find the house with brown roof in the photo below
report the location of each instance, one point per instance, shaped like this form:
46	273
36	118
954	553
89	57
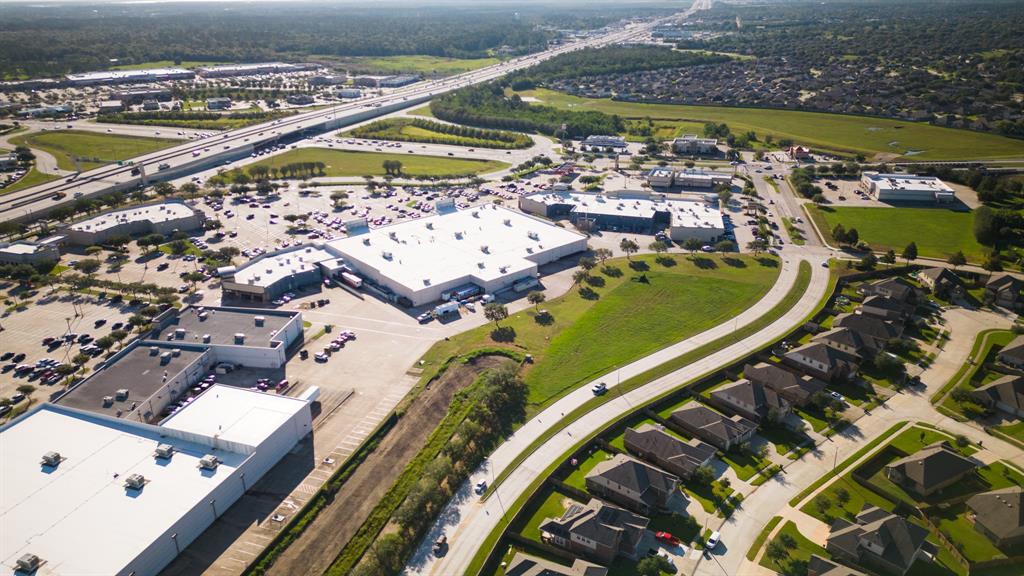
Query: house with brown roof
752	400
1004	290
848	341
596	530
527	565
879	330
1013	353
823	361
942	282
895	288
666	451
721	431
884	308
1005	394
999	515
632	483
879	540
930	469
818	566
797	389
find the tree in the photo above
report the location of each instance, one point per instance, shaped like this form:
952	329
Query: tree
868	261
389	550
192	278
178	247
88	266
704	475
580	276
692	245
189	189
889	257
725	246
658	247
164	189
653	566
629	247
602	254
852	236
822	503
724	195
910	252
957	260
495	312
993	262
535	297
26	389
587	263
842	496
776	551
757	246
839	233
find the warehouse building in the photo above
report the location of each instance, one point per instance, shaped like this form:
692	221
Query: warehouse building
140	382
27	252
690	144
258	68
327	80
906	188
700	178
129	76
639	212
219	103
85	493
601	143
270	275
399	81
159	218
299	99
348	93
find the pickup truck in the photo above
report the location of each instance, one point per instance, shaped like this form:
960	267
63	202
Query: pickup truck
163	166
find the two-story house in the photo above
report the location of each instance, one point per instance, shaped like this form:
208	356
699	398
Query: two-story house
664	450
823	361
632	483
796	388
721	431
930	469
596	530
1004	291
752	400
879	540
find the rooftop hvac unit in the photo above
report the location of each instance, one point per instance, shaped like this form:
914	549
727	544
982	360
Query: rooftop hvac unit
154	350
209	462
165	357
136	481
393	235
502	269
366	241
176	352
121	394
179	333
108	400
430	225
532	235
51	458
386	255
202	316
164	451
458	235
484	249
239	338
529	250
476	214
480	265
508	221
260	320
206	338
28	563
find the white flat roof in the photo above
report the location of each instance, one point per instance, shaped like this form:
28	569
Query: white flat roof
449	246
269	268
79	518
20	248
235	414
152	213
908	182
127	74
245	67
685	213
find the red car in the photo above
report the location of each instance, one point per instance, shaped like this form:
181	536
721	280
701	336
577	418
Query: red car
667	537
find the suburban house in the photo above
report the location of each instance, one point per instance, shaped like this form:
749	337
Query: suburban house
797	389
999	515
896	288
716	429
655	445
942	282
632	483
881	331
818	566
879	540
1005	394
1004	290
1013	353
930	469
526	565
823	361
750	399
596	530
849	341
884	308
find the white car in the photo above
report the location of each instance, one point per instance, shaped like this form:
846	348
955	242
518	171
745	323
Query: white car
480	487
712	541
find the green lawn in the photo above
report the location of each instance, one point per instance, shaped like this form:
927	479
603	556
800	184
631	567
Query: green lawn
421	111
420	64
759	541
938	232
166	64
402	129
954	524
745	465
578	477
972	375
349	163
1015	431
94	149
32	178
800	553
710	497
551	507
852	134
917	437
583	338
858	497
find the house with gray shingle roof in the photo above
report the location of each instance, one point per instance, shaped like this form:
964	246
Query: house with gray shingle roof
848	341
716	429
1004	290
999	515
930	469
1005	394
664	450
527	565
1013	353
818	566
797	389
823	361
942	282
752	400
632	483
879	540
870	327
596	530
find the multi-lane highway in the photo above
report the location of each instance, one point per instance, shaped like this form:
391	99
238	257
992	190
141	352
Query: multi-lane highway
227	146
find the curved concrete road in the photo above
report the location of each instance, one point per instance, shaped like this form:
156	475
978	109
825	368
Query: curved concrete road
467	521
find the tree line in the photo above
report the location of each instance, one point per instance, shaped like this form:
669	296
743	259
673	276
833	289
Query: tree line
391	129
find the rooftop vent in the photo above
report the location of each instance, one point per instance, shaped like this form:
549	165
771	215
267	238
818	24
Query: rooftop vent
206	338
485	249
179	333
154	350
239	338
508	221
209	462
366	241
136	481
533	235
121	394
458	235
51	458
107	401
259	320
476	214
430	225
28	563
176	352
164	451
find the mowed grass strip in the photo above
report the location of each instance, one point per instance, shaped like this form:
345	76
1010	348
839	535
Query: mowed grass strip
938	232
421	64
341	163
844	133
33	178
95	149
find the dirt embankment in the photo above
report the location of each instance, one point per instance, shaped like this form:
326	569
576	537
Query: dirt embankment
321	542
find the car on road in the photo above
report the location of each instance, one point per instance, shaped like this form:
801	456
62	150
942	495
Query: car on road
599	388
480	487
712	541
440	545
667	538
320	357
837	396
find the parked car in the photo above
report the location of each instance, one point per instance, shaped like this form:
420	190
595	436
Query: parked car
712	541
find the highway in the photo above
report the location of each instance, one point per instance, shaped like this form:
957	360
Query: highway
197	155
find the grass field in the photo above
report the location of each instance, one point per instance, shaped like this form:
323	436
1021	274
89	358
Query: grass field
33	178
586	337
348	163
418	64
403	129
165	64
224	122
937	232
93	148
842	133
798	555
